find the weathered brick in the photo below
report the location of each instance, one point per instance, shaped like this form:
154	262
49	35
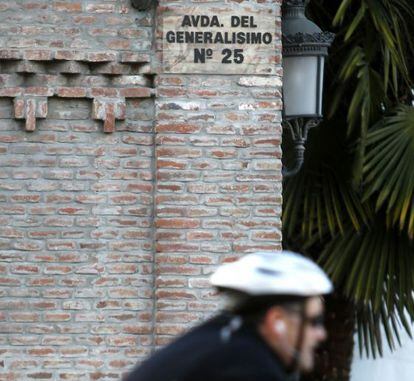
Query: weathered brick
101	57
71	92
100	8
38	55
135	92
67	6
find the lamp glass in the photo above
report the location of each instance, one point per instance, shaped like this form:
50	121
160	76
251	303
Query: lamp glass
302	86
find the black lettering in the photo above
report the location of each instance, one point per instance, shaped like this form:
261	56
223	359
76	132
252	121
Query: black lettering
189	37
245	21
218	38
170	36
241	38
252	24
198	38
214	21
267	38
186	21
235	21
179	37
256	38
227	55
195	20
205	21
199	56
208	38
238	56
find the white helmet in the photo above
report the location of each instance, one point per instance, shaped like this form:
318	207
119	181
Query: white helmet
273	273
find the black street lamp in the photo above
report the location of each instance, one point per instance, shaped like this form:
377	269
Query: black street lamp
305	47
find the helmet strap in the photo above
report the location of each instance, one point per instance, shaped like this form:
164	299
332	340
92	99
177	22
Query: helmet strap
294	366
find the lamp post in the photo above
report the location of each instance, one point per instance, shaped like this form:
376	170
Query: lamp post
305	47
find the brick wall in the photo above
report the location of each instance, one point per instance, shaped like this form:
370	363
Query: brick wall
218	190
76	235
219	185
121	188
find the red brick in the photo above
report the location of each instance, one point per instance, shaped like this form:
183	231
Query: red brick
176	247
177	317
69	55
56	317
44	305
135	92
171	92
103	92
179	128
39	91
71	92
174	270
122	268
101	57
41	282
25	269
11	91
40	376
67	6
73	351
178	152
177	223
23	364
122	341
172	330
109	122
171	164
25	317
75	211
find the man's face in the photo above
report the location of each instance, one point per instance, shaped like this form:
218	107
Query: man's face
314	333
282	328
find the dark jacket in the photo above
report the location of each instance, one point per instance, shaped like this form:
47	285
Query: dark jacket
206	353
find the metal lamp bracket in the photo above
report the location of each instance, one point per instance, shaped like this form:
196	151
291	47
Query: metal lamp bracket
299	129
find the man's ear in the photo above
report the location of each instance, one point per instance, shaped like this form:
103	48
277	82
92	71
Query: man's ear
274	321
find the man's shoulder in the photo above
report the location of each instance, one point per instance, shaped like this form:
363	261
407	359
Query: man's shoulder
242	355
209	352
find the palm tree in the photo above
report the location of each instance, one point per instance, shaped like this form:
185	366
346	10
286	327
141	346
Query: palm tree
351	206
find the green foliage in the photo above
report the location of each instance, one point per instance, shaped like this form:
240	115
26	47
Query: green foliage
388	168
352	204
378	278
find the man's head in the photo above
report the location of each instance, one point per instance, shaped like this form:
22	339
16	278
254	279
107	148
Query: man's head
280	293
294	331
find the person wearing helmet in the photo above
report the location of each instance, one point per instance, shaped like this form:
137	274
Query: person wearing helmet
269	332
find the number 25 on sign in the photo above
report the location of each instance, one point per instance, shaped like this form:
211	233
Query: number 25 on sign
229	56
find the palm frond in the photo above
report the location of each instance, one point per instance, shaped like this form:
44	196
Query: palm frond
375	61
389	167
374	269
320	200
